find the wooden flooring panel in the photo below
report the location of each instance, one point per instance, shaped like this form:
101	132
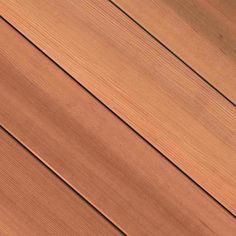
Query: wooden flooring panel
202	33
33	201
99	156
140	81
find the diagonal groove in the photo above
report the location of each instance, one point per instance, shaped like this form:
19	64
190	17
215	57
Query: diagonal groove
57	175
173	53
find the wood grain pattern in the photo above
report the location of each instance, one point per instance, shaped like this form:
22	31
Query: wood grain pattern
33	201
140	81
105	161
202	33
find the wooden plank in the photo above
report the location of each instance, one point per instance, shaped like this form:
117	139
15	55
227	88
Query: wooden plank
140	81
89	147
33	201
202	33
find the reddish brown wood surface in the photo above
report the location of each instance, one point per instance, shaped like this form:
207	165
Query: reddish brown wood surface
33	201
105	161
202	33
142	82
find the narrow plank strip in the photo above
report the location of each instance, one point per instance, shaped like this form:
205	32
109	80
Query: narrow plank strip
100	157
140	81
202	33
33	201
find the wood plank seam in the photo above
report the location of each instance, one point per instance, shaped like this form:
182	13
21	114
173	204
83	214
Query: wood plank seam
172	52
149	143
62	179
34	201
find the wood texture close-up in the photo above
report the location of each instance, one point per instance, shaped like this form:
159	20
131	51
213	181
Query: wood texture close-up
34	201
204	34
142	82
118	117
96	153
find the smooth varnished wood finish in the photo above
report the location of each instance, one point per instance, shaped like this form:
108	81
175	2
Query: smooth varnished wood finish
33	201
91	149
162	99
202	33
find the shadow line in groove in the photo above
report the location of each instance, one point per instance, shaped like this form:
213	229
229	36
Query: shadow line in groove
58	176
169	50
123	121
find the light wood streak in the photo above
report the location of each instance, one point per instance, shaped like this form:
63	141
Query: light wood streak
105	161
